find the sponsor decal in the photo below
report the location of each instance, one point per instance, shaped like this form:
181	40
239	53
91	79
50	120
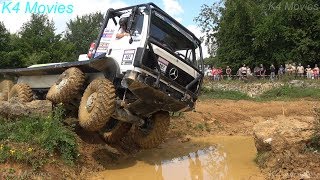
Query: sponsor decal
128	56
107	35
103	46
163	64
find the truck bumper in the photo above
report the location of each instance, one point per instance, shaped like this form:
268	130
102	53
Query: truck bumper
152	99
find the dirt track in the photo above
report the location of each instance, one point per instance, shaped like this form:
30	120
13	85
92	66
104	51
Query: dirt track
227	117
211	117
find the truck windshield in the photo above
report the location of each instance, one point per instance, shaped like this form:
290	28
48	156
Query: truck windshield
166	34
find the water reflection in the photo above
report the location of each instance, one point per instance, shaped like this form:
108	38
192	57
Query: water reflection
206	163
189	161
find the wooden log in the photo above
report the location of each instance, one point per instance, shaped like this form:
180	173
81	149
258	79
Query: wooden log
15	109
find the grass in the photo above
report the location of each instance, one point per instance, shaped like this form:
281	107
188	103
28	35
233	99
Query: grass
33	140
261	158
285	92
291	92
314	143
203	126
223	94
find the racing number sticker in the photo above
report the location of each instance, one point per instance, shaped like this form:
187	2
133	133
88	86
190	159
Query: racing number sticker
163	64
128	57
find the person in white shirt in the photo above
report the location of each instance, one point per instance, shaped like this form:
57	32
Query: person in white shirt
309	72
300	70
123	28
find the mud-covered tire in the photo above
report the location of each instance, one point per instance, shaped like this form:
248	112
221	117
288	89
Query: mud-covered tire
5	87
21	92
97	104
153	135
115	130
67	87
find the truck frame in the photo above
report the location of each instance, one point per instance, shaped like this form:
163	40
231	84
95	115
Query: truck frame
132	82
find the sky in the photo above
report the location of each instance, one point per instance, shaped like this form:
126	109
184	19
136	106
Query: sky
13	13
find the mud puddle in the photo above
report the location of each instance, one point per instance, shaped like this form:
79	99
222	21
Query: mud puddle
200	158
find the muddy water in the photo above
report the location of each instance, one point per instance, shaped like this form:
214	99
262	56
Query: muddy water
200	158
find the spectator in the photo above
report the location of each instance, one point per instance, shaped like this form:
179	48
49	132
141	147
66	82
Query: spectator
316	71
215	73
243	71
256	71
262	71
220	73
294	70
281	71
289	69
208	72
300	70
228	72
239	73
309	72
249	71
272	72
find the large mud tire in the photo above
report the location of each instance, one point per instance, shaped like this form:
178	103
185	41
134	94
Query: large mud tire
115	130
153	135
97	104
5	87
67	87
21	92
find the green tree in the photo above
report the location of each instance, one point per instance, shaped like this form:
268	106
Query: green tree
209	21
4	45
269	31
286	34
84	30
39	43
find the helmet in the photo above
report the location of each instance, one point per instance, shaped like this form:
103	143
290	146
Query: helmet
123	21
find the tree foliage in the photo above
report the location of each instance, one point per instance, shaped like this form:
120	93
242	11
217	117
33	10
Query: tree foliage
4	44
38	43
256	31
84	30
35	43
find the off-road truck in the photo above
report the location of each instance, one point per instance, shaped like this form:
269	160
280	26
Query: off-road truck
136	80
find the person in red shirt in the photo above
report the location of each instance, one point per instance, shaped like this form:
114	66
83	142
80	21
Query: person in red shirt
220	73
316	71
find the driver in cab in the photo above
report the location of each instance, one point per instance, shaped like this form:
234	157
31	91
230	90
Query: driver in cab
123	28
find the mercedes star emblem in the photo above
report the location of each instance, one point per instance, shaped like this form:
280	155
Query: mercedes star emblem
173	73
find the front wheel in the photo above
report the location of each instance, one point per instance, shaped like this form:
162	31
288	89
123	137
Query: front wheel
115	130
153	132
97	105
67	87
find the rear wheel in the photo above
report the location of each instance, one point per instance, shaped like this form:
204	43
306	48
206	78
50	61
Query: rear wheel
153	132
67	87
5	87
97	105
115	130
21	92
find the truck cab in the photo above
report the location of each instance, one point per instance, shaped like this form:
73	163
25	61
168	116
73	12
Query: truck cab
157	48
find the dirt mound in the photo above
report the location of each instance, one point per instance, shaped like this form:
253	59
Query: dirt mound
283	141
278	133
228	117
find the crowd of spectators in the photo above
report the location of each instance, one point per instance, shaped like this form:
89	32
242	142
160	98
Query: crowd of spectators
262	72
